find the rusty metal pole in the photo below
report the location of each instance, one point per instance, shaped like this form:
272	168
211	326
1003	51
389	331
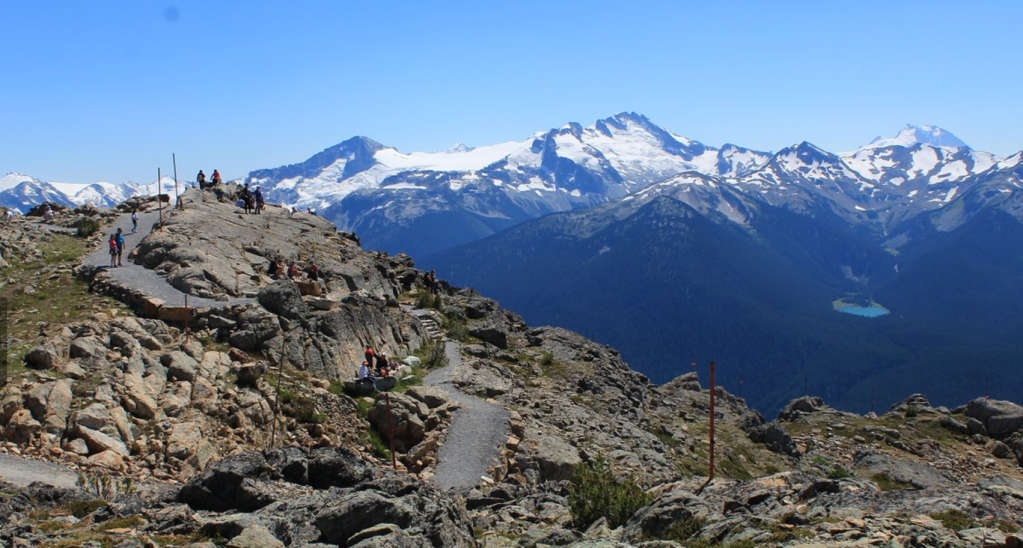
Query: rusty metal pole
710	466
390	429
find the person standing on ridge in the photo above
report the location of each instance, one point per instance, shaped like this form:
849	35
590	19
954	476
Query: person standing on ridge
259	200
216	178
113	250
200	180
120	245
134	220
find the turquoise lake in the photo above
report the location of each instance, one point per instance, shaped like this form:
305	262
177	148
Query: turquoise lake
865	311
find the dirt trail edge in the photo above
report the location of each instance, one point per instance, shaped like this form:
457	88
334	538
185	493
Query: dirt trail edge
478	430
21	472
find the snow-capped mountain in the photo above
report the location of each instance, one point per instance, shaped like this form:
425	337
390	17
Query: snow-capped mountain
924	135
386	195
22	192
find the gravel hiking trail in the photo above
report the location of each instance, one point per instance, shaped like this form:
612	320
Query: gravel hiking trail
137	276
478	430
21	472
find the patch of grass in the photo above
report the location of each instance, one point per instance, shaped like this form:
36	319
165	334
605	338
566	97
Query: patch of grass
886	482
82	508
431	355
59	298
121	523
52	526
684	529
839	472
373	439
596	492
86	228
912	411
957	520
1007	526
456	328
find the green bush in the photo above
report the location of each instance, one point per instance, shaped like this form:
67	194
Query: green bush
432	355
82	508
839	472
596	492
86	228
957	520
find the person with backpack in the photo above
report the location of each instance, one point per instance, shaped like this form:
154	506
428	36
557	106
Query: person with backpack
119	239
200	180
259	200
113	250
134	220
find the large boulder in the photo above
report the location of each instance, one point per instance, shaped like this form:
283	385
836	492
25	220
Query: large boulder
284	299
180	366
799	407
775	438
1000	418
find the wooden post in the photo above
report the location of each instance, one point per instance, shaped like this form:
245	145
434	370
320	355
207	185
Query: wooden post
390	429
159	201
177	197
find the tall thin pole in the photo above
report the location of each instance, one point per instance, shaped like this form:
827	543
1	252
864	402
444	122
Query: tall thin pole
186	317
177	197
159	200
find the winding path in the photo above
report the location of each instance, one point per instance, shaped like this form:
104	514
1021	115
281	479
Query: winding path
21	472
143	279
478	430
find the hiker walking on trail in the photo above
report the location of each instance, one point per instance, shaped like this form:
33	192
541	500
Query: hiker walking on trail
120	245
134	220
259	200
200	180
113	250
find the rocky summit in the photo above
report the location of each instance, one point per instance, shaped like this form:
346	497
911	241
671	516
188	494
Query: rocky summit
232	419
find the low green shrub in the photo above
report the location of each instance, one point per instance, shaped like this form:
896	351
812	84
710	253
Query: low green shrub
957	520
596	492
86	228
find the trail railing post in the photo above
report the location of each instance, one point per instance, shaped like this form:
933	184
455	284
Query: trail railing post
390	429
177	197
186	318
159	200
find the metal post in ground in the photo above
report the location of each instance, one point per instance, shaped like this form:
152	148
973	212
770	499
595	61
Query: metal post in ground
390	429
710	466
177	197
159	201
186	318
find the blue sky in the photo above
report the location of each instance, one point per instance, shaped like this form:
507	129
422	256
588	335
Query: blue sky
108	90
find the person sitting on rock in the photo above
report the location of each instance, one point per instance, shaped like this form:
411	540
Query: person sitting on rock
292	270
370	356
382	365
312	271
363	370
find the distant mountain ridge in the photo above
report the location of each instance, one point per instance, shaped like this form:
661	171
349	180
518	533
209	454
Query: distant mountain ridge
22	192
423	203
